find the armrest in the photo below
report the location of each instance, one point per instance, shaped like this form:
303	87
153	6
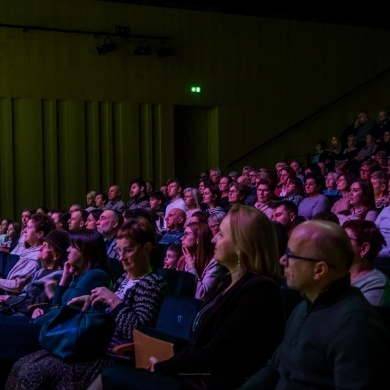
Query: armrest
36	305
123	349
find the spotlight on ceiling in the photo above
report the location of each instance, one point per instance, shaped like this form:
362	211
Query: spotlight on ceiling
143	49
164	50
107	47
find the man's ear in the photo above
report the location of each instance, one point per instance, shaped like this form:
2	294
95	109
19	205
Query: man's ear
320	270
292	217
364	248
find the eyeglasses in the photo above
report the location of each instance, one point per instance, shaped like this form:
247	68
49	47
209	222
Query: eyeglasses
232	192
214	226
364	170
185	234
289	256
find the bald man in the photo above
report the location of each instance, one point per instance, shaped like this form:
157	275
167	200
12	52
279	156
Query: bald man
175	219
334	339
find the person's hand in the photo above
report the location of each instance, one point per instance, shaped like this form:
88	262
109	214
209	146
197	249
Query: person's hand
188	257
102	295
83	301
50	287
152	361
37	313
67	275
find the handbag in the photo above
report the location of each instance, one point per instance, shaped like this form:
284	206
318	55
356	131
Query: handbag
74	334
10	305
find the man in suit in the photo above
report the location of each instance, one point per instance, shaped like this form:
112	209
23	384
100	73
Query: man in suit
115	201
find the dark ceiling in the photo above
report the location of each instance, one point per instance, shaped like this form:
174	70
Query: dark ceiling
353	14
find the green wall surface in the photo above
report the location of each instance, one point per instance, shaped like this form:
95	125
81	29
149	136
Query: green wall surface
73	121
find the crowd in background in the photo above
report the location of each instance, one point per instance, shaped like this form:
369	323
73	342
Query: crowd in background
119	245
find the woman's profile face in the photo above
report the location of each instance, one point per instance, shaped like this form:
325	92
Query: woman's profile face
283	176
234	195
356	195
188	199
134	257
224	184
99	201
75	258
10	231
330	182
3	226
224	250
264	193
208	196
341	183
91	222
189	238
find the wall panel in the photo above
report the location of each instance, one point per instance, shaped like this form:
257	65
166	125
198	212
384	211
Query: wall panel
7	175
28	152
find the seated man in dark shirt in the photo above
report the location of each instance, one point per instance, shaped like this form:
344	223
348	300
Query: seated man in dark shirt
334	339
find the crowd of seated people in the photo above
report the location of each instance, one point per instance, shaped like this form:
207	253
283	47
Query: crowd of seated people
188	221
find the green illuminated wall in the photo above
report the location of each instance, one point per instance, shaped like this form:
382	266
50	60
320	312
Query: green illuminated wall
72	121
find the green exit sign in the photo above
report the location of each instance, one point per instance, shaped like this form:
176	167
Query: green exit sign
195	89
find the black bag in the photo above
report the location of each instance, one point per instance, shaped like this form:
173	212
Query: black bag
74	334
11	304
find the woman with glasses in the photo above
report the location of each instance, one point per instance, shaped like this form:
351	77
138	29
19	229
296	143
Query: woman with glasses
134	301
367	241
198	252
214	221
343	185
265	196
361	202
315	201
237	328
237	194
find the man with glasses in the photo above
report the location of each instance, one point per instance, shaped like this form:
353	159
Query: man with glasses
334	338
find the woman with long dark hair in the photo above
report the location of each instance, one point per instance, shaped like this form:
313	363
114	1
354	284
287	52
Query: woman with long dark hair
134	301
361	202
198	252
